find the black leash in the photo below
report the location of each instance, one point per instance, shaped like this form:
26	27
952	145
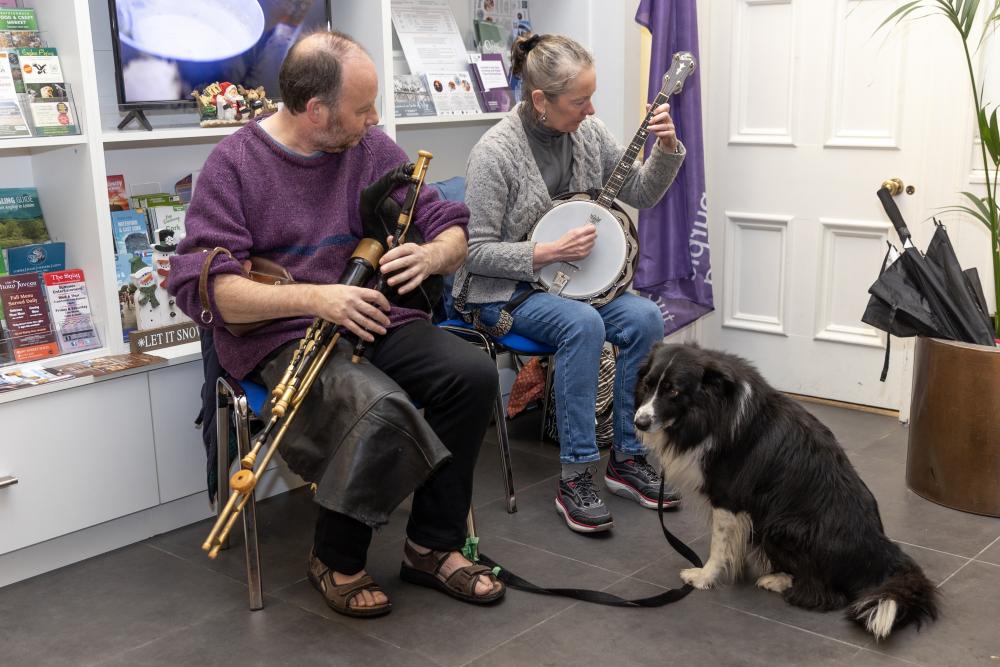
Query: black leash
600	597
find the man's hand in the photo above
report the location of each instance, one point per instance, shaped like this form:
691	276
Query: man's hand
406	266
360	310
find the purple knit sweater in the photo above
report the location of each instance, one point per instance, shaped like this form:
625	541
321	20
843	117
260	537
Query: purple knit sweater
255	197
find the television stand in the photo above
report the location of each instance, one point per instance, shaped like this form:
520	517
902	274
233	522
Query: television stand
136	114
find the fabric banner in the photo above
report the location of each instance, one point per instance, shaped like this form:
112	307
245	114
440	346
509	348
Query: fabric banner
674	260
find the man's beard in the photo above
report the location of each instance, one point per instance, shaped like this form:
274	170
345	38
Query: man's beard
334	141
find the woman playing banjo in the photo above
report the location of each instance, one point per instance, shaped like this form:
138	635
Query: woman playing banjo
551	144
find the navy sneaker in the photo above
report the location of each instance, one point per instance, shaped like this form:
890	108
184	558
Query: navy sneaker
635	478
580	506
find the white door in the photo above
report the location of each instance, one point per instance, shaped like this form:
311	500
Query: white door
808	112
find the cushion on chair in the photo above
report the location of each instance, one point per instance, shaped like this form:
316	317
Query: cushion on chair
512	341
256	395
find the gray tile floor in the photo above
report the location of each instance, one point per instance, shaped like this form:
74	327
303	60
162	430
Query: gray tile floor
161	602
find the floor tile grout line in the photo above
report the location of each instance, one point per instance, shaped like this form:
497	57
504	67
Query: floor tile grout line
559	555
572	605
198	564
966	563
787	625
920	546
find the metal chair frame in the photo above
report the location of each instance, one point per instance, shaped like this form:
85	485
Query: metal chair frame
230	396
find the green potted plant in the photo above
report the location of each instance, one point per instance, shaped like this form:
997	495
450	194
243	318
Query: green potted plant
953	455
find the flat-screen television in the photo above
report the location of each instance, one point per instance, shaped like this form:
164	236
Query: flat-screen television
164	49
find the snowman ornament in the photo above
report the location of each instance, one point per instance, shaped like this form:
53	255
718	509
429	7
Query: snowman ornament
163	250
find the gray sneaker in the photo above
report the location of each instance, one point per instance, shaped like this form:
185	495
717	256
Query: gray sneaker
580	506
635	478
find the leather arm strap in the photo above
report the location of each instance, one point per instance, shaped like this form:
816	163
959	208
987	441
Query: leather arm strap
206	315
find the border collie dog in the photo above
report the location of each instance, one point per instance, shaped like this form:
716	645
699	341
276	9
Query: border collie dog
786	503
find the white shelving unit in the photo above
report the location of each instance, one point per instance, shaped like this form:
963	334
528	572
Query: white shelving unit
106	463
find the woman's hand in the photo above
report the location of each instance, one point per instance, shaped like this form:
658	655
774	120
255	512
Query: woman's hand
662	125
572	246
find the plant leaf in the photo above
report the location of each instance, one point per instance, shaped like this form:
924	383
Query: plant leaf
980	203
966	209
993	145
899	13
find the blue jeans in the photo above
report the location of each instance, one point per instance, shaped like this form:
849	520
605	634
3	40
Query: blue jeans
578	331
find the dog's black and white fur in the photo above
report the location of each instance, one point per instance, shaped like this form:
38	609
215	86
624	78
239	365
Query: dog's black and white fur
784	498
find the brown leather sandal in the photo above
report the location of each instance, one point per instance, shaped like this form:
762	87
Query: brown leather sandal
424	570
338	596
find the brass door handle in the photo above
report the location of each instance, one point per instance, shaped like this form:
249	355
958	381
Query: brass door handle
895	187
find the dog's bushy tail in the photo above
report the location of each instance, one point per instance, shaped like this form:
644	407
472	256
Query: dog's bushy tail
907	596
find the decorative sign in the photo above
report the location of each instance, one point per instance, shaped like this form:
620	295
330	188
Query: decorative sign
156	339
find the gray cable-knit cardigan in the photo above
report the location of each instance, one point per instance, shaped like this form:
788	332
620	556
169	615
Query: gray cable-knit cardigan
506	195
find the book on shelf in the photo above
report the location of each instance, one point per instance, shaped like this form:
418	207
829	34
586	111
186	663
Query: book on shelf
168	217
130	231
29	376
69	306
19	29
184	188
491	82
125	266
490	38
113	363
36	258
21	219
453	93
117	196
24	308
411	96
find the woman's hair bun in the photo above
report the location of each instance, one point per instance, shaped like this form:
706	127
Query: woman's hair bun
519	52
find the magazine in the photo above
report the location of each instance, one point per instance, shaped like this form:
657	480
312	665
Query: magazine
69	306
21	220
411	96
453	93
491	82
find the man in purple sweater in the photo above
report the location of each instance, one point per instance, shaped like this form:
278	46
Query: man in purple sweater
287	188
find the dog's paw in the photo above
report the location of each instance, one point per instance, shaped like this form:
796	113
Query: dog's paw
778	582
699	577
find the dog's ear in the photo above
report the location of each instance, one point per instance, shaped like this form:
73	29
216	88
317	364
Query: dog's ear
718	374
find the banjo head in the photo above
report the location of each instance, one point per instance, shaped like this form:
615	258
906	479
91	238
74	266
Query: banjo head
598	272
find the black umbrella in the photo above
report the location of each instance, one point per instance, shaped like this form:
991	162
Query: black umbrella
926	295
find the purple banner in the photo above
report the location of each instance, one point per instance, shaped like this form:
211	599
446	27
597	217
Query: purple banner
674	259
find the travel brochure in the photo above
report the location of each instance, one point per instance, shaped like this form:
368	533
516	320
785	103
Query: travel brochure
444	79
35	99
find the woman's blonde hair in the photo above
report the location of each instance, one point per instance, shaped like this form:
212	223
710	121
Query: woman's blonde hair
548	63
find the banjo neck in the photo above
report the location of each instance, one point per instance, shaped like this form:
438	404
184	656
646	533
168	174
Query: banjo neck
682	65
627	162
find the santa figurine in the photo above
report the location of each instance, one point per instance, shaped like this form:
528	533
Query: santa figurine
229	104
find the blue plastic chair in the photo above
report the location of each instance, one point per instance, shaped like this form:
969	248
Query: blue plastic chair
516	344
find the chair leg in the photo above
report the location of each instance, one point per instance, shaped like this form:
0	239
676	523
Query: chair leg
482	340
549	368
505	461
224	398
249	510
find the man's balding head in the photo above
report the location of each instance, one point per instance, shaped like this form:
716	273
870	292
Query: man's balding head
314	67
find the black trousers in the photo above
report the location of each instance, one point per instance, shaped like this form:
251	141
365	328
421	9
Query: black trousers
456	384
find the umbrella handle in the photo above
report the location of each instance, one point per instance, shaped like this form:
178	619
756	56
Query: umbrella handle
891	210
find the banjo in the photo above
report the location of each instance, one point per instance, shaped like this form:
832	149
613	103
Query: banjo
608	270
